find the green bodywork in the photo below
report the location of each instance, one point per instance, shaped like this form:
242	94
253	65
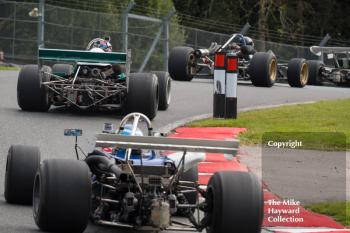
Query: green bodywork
81	56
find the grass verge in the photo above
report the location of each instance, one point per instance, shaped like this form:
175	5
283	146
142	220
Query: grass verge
9	68
331	117
340	211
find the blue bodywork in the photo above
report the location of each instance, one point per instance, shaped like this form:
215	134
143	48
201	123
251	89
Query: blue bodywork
149	158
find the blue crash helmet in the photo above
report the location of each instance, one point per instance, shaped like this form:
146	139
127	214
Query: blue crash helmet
239	39
128	129
135	153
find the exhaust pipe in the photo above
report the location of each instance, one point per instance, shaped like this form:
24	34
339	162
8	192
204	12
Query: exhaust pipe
201	52
99	159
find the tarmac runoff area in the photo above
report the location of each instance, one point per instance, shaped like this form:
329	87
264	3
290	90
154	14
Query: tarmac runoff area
283	214
46	129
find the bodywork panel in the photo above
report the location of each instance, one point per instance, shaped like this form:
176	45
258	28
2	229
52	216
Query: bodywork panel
81	56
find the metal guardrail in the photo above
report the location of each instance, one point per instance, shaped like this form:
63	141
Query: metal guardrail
67	28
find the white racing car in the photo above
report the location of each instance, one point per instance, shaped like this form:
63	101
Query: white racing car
133	181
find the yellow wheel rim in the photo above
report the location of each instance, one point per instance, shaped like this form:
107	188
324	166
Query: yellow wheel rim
273	70
304	74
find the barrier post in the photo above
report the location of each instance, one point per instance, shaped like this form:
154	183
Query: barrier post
231	86
219	85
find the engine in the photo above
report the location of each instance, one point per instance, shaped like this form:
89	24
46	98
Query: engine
118	200
96	73
92	85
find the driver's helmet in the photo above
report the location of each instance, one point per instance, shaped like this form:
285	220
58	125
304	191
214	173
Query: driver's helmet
135	153
128	130
105	44
239	40
249	41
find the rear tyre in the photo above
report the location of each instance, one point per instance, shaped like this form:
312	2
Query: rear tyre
191	198
297	73
315	67
62	69
191	175
179	62
21	167
235	201
61	196
31	95
143	94
164	82
263	69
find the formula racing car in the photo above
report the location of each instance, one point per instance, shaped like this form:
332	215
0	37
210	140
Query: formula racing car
135	182
338	72
259	67
97	78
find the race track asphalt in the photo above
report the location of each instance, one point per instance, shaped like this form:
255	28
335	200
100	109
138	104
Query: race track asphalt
45	130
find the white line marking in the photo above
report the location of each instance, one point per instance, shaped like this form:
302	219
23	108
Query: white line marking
304	229
205	174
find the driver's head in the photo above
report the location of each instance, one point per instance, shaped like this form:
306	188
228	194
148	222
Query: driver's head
127	131
239	40
249	41
105	44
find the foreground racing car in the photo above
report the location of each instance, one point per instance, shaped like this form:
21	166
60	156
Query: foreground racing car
133	181
338	74
259	67
97	79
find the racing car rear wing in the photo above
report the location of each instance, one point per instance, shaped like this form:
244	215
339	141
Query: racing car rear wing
317	50
81	56
165	143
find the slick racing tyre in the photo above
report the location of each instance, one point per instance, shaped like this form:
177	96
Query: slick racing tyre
263	69
297	73
31	95
191	197
164	82
235	201
191	175
179	63
315	67
62	196
143	94
21	167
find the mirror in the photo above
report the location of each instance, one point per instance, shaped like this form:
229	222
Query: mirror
73	132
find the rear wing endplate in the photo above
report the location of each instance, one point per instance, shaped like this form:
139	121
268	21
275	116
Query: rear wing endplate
317	50
165	143
81	56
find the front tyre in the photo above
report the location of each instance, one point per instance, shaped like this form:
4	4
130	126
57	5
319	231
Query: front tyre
31	95
235	202
143	94
179	63
21	167
61	196
164	82
263	69
315	67
298	72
